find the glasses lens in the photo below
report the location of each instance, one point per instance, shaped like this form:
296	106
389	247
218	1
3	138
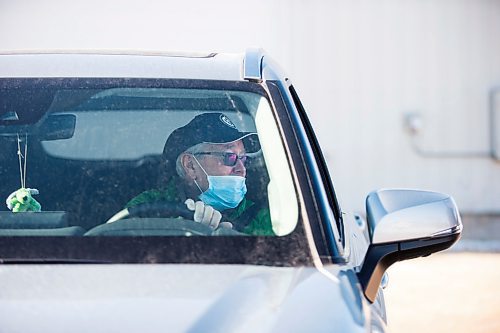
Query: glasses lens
230	159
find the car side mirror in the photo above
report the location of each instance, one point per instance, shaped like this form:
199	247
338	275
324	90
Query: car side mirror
405	224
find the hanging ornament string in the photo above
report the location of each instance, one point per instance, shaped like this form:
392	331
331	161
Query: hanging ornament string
22	199
22	168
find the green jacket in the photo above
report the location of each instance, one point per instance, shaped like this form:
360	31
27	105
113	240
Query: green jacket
246	217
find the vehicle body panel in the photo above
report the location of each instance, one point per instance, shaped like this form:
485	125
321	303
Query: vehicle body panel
95	64
187	298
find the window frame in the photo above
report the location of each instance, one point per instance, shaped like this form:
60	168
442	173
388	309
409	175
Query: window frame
289	250
328	233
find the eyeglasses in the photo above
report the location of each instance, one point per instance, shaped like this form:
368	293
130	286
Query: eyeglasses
230	159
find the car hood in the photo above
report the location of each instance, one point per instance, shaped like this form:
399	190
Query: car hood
178	298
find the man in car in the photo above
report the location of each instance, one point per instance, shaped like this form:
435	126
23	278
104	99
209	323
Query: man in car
204	167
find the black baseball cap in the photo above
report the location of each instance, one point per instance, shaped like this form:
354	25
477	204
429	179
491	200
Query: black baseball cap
211	128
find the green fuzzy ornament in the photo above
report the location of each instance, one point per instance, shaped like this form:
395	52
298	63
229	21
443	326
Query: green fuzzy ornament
22	201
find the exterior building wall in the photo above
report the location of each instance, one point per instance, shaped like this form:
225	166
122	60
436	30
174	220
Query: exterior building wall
361	68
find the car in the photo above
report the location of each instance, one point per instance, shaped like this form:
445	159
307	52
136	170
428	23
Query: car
84	133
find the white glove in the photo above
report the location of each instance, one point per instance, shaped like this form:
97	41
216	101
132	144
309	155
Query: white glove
206	214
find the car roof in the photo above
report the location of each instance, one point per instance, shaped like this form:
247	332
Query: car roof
134	64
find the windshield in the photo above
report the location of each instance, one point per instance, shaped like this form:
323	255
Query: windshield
91	158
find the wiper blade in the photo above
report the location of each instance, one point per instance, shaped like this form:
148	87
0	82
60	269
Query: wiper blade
51	261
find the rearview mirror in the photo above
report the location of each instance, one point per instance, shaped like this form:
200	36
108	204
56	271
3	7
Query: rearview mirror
53	127
406	224
57	127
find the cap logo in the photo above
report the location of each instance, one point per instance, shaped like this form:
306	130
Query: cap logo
227	121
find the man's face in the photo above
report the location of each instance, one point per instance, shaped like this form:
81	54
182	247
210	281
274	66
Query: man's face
214	163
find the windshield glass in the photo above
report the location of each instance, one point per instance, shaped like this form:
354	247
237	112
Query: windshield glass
139	158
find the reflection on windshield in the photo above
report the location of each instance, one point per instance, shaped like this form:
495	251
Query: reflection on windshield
143	162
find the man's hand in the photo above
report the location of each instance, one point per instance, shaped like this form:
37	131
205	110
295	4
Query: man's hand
206	214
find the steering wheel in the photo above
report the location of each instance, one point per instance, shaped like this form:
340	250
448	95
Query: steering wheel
156	219
156	209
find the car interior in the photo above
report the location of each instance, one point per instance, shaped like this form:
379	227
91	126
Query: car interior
88	159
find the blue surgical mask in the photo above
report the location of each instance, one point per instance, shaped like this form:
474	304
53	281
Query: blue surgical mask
224	192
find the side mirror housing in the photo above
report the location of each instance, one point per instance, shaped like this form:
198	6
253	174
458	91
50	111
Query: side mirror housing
405	224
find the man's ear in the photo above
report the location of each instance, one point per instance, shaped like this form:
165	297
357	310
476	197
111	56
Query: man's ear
188	166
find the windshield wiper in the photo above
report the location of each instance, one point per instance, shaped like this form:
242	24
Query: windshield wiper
52	261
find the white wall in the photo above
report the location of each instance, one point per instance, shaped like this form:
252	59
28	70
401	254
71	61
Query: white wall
359	67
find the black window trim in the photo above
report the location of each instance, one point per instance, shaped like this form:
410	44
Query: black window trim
324	231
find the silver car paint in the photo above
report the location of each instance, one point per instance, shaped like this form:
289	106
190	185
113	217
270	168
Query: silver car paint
53	64
179	298
403	214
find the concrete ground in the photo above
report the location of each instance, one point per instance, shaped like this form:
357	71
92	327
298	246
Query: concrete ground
452	291
445	292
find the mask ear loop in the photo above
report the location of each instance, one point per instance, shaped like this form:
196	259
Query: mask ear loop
196	183
198	186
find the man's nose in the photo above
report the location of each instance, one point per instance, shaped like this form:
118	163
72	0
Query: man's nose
239	168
